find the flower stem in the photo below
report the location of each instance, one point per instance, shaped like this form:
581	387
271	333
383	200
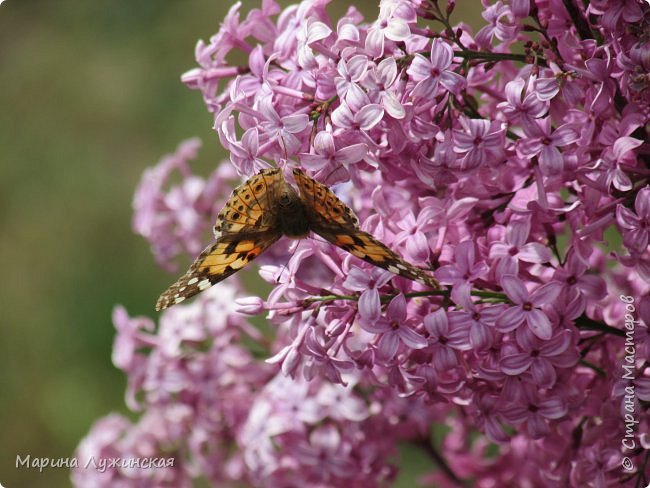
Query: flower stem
584	322
597	369
386	298
440	461
487	56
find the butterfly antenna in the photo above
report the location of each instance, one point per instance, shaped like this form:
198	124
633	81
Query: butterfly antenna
284	266
318	238
333	171
284	149
314	131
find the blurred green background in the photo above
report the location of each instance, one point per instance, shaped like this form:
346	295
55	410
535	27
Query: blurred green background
89	96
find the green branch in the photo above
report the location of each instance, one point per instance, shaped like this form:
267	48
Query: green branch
487	56
387	298
584	322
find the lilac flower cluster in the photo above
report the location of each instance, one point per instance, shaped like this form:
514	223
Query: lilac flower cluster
514	161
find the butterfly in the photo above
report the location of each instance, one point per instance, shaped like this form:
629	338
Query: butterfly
266	207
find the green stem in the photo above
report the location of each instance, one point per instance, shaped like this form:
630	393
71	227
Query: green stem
330	298
579	21
597	369
440	461
387	298
584	322
487	56
641	476
480	55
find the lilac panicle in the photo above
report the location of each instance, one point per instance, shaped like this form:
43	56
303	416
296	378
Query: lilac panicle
174	217
510	161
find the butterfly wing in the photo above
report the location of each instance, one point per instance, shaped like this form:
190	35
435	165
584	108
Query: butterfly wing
365	246
323	205
245	227
333	220
251	206
216	263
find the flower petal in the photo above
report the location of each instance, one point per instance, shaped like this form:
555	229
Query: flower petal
369	304
515	289
515	364
539	324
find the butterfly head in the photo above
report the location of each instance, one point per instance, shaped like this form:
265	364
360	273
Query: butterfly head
292	218
286	200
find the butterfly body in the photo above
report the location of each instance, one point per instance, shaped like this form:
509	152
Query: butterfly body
291	215
267	207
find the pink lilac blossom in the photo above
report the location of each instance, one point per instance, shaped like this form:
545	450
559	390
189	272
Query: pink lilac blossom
512	161
173	217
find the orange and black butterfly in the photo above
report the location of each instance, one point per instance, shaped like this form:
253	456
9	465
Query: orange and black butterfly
265	208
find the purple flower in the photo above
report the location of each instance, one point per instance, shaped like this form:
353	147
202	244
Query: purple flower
427	73
527	307
100	443
351	72
635	226
515	247
542	142
480	321
394	329
103	456
326	452
379	81
465	269
575	278
640	385
331	367
413	236
133	334
363	119
554	81
520	107
244	154
540	357
534	410
500	25
489	408
392	24
441	168
250	305
282	129
368	284
642	331
445	341
613	14
613	160
566	308
173	220
479	141
595	463
328	157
